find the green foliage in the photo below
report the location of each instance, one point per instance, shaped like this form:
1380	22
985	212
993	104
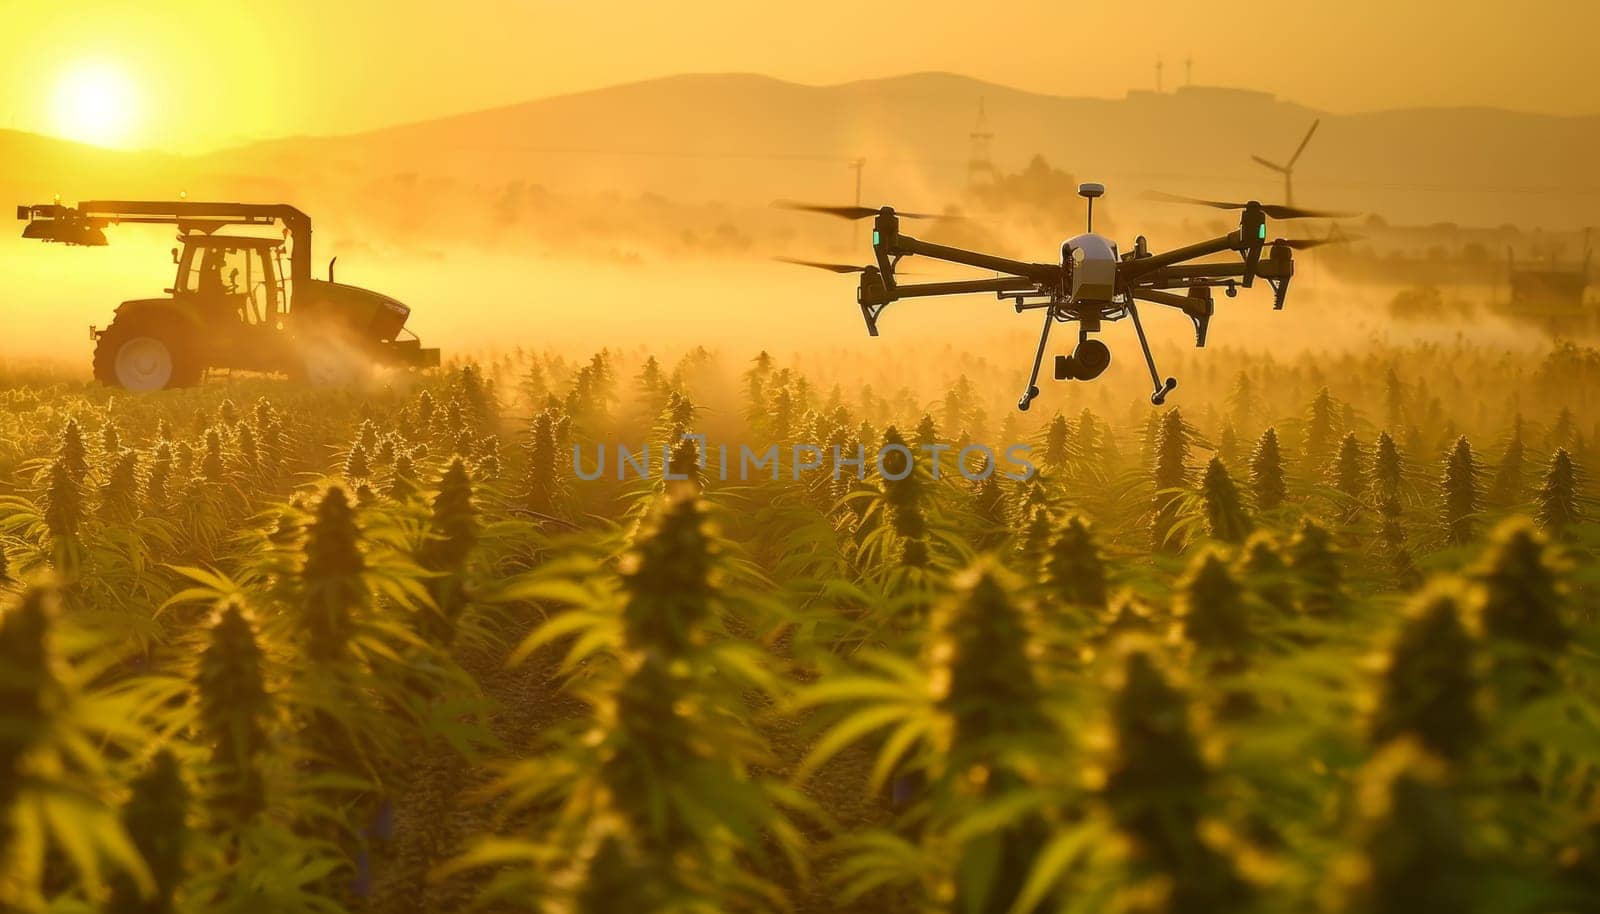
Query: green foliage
1459	487
1074	572
1266	472
1226	519
1523	613
1388	472
71	452
155	818
1171	471
1392	533
119	494
1429	686
902	487
234	711
452	536
1505	488
1346	472
63	500
331	579
1558	494
1056	437
547	439
1316	565
1267	572
343	652
156	488
1321	426
1158	792
54	788
1211	606
1412	856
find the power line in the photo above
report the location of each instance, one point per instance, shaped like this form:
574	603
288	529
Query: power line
823	157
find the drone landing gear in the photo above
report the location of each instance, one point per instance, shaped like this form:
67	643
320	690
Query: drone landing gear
1159	395
1038	359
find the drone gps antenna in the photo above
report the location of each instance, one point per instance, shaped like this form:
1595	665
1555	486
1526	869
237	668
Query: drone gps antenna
1088	191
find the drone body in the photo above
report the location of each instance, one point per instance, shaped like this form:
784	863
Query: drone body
1091	283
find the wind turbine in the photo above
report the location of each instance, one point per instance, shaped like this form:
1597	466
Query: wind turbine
1288	170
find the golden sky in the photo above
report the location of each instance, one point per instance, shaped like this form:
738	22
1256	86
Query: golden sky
193	75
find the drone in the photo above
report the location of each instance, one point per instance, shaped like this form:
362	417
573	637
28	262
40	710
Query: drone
1092	283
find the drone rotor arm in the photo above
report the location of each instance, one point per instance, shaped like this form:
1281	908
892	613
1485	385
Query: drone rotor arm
873	295
1183	275
1197	306
1135	271
1034	272
964	287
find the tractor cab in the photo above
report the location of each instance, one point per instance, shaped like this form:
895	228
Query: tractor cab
231	300
232	278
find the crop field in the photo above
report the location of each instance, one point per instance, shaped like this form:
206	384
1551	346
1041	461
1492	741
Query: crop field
1318	635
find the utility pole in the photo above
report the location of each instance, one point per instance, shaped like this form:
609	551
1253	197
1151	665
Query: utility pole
855	225
980	165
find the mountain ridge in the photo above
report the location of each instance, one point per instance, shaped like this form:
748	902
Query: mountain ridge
743	138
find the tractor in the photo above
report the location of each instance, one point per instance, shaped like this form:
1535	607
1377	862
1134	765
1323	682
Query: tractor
232	305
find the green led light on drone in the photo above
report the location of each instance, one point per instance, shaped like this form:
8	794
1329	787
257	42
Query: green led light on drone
1263	231
875	237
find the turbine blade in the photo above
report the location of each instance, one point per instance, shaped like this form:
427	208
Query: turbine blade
1302	147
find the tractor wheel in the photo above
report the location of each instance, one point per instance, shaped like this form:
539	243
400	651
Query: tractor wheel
148	352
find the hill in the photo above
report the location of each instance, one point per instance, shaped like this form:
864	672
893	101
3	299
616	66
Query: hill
746	139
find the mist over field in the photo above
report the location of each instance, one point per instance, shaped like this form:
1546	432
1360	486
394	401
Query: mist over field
642	213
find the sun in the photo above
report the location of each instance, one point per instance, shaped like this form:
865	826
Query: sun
95	103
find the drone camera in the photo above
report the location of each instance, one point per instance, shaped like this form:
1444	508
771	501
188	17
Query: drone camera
1283	259
1086	363
1199	307
871	295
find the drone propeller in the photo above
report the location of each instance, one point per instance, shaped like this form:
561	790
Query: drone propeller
849	212
1275	210
1302	244
830	267
835	267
